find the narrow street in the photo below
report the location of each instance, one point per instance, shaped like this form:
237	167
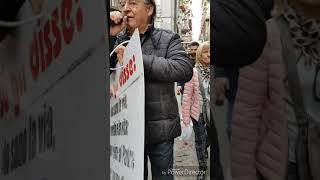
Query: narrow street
185	156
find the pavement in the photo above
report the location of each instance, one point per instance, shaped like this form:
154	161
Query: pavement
184	160
185	157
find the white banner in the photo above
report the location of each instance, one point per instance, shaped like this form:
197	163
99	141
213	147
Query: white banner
127	116
53	94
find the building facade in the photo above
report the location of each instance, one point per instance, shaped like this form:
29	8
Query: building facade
205	21
115	4
166	15
184	21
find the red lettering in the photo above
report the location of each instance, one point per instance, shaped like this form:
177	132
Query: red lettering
4	103
134	61
56	33
128	71
79	19
34	59
123	77
130	67
18	87
42	59
47	47
67	23
46	33
17	110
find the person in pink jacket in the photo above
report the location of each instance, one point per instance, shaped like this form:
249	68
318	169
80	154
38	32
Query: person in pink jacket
192	102
265	128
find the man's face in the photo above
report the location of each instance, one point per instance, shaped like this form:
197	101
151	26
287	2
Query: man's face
193	51
138	13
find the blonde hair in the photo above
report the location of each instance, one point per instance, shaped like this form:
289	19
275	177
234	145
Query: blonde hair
203	45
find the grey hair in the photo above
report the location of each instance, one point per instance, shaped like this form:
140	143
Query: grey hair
153	3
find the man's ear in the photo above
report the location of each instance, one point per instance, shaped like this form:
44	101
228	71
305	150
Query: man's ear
150	9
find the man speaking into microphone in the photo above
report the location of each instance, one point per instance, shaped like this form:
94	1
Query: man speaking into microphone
165	62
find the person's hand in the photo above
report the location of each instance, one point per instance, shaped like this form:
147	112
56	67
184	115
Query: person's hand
117	26
120	53
184	126
114	90
36	6
179	90
220	85
186	133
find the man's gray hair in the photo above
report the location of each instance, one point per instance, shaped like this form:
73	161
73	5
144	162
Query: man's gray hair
153	3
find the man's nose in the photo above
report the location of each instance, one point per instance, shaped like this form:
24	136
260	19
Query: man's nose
126	8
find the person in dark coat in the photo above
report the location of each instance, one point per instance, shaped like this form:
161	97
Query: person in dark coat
239	31
239	36
165	62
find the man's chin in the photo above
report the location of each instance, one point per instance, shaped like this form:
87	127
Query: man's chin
131	28
131	25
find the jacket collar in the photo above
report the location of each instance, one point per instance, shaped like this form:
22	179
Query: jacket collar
124	35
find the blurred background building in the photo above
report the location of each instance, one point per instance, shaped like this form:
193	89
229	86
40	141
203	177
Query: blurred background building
166	14
189	18
115	4
205	21
184	21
